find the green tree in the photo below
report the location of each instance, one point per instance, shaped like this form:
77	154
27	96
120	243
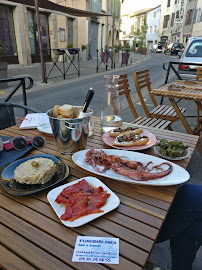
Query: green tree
140	35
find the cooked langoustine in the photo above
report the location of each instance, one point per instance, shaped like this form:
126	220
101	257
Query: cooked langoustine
132	169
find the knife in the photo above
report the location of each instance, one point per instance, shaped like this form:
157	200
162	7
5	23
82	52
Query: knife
88	99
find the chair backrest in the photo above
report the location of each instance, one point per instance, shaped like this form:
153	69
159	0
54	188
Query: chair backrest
124	90
199	74
142	80
7	114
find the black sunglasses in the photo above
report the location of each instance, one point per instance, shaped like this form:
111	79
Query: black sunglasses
21	143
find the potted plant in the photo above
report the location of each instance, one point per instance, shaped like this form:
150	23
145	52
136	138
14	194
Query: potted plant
3	65
105	54
84	52
125	54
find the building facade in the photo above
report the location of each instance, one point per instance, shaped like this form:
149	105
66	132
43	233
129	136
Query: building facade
18	28
197	20
153	22
173	17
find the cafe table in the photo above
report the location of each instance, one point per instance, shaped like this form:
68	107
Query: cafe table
32	236
189	90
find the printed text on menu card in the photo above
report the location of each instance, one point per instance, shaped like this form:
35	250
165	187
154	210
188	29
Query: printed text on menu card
96	250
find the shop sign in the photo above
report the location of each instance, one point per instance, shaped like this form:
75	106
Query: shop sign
181	13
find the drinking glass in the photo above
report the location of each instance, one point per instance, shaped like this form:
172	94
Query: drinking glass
111	106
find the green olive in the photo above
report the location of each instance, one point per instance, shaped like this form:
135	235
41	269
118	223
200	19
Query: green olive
35	164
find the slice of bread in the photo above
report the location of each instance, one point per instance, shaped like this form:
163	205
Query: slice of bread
55	111
66	110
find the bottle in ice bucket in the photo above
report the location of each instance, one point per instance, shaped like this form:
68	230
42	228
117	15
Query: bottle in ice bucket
111	106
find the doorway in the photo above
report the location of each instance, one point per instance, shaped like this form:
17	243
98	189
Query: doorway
93	39
33	35
70	31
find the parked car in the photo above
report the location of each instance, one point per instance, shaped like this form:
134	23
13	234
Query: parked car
191	54
174	48
156	49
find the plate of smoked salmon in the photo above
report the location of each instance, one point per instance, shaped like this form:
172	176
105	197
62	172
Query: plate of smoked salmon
82	201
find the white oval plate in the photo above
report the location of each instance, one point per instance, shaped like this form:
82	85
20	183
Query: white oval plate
45	128
156	150
112	202
177	176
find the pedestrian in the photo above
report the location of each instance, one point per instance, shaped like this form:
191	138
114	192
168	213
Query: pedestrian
183	226
136	47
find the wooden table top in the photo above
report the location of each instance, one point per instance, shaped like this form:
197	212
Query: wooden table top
32	236
184	89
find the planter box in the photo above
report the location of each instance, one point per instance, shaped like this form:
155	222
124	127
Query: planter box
125	57
3	74
142	51
84	55
105	57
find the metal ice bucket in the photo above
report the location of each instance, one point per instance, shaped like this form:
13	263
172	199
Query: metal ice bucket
70	134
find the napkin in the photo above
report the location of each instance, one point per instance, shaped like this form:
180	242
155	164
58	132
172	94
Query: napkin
7	157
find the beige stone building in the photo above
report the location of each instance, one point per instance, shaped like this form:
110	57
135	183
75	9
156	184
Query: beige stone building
173	17
82	25
197	20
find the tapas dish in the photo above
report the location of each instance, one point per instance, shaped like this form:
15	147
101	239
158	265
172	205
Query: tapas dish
75	212
143	140
131	167
172	150
9	183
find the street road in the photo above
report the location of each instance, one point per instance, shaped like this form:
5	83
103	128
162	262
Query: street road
74	92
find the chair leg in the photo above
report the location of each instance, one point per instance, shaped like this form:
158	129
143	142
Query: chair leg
169	128
149	265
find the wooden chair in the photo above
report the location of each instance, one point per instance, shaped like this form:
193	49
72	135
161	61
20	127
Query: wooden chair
165	112
7	113
139	120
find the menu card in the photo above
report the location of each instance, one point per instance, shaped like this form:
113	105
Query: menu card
33	120
96	250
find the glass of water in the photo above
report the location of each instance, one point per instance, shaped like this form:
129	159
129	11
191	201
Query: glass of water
111	106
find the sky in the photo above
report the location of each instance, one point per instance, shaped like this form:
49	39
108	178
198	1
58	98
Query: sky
134	5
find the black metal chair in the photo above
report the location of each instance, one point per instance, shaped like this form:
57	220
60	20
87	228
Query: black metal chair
7	113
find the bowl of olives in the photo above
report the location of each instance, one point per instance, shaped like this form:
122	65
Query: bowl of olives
172	150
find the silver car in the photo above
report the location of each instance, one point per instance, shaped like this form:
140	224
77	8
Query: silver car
191	54
156	48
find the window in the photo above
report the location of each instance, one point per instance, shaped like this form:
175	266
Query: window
172	19
62	34
166	19
195	49
196	12
150	29
189	17
154	14
168	3
175	1
200	15
155	29
177	14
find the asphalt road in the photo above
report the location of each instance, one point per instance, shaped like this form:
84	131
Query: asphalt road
74	92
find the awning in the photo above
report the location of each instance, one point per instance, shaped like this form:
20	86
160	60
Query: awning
71	11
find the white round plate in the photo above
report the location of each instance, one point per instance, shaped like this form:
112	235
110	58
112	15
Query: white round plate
156	150
45	128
